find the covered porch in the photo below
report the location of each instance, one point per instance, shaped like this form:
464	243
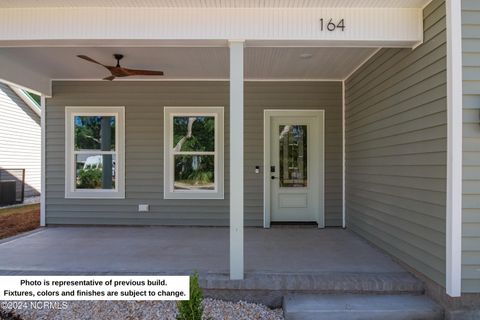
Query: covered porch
277	260
382	87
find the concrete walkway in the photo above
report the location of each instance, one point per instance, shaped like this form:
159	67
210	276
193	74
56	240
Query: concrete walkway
183	249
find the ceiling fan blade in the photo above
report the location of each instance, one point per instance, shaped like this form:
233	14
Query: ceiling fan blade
136	72
109	78
81	56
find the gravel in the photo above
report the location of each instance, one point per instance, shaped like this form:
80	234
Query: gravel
165	310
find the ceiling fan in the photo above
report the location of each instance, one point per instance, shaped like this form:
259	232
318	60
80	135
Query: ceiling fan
118	71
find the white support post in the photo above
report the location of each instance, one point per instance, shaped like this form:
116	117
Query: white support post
344	210
43	153
236	159
454	149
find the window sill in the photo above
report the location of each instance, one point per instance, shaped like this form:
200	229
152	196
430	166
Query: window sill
193	196
94	195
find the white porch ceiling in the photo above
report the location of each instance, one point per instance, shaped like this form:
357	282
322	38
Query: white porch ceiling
218	3
261	63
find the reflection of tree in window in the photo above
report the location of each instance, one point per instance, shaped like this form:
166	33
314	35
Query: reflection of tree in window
194	133
88	132
194	152
95	133
194	172
293	155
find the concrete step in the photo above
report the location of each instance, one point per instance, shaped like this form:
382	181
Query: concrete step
360	307
269	288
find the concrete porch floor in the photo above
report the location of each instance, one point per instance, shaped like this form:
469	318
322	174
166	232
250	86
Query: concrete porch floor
282	259
183	249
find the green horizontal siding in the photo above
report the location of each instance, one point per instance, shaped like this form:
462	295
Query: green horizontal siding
144	102
471	146
396	131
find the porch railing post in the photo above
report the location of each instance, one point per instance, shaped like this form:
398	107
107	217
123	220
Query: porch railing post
236	159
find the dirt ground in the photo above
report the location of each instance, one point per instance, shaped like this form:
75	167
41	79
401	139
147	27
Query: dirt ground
17	220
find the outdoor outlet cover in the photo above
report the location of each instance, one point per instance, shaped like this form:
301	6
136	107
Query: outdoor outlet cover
143	208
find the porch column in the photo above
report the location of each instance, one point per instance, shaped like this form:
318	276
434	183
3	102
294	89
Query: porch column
43	189
236	159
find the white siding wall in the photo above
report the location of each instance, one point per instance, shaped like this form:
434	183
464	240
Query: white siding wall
19	138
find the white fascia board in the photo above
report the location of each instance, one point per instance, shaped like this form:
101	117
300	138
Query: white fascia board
374	26
454	149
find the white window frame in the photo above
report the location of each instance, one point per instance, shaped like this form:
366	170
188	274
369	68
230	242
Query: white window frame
168	169
70	190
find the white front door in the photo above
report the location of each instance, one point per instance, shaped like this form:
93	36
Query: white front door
296	167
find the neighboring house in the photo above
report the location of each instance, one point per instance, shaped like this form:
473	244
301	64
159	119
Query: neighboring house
325	113
20	137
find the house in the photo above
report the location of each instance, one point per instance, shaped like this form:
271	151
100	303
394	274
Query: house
20	140
344	114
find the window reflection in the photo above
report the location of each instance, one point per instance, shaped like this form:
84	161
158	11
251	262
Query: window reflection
293	155
95	170
94	133
194	133
194	172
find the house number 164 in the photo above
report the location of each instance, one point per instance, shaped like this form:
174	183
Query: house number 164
331	25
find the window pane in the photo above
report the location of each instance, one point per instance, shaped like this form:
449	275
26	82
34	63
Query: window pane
194	172
293	156
94	133
94	171
194	133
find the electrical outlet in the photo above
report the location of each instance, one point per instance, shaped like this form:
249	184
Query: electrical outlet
143	208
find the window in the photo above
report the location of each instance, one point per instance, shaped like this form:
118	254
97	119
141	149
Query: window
94	152
193	153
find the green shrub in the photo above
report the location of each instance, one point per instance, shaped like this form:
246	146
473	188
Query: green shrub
192	309
90	178
202	177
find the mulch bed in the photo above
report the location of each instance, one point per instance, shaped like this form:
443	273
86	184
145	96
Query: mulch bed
17	220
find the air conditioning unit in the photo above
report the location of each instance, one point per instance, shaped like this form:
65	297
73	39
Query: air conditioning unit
8	192
12	186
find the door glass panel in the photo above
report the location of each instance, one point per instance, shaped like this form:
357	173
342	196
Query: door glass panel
293	156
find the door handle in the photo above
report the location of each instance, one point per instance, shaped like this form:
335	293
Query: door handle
273	177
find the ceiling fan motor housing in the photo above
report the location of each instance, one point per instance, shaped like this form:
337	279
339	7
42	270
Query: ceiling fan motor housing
118	57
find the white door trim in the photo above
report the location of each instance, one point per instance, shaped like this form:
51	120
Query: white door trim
268	114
